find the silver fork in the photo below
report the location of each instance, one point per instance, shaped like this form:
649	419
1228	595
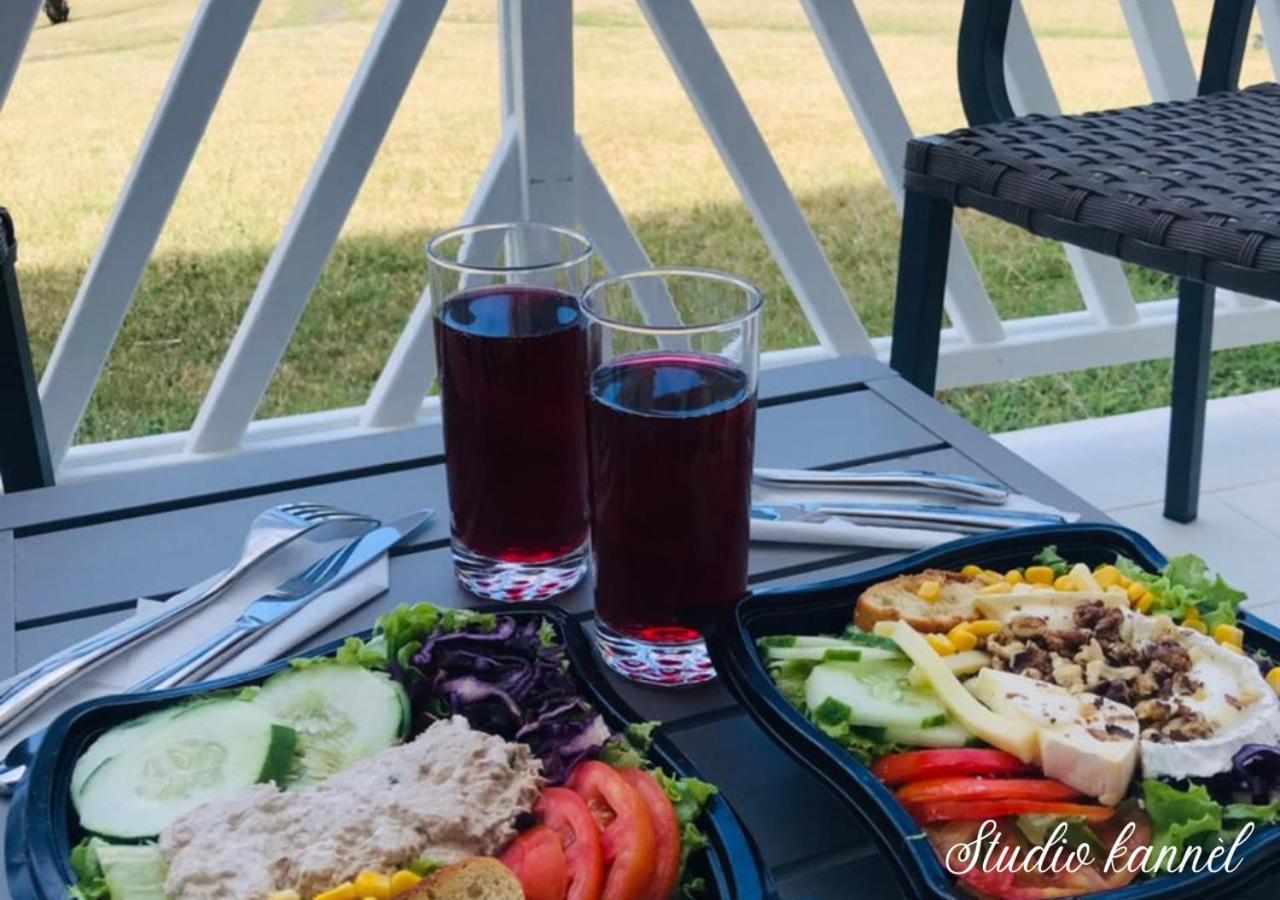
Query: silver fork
270	532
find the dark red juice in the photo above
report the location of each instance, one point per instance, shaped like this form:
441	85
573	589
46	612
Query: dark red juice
512	369
671	437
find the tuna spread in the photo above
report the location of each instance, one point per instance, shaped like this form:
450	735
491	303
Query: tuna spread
450	794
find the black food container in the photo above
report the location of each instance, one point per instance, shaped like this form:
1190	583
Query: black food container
827	608
42	827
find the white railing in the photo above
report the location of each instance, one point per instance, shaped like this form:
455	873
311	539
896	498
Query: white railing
541	170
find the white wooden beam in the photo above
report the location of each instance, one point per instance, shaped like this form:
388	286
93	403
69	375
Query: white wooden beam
411	369
207	55
866	87
296	265
724	114
1101	279
541	44
17	20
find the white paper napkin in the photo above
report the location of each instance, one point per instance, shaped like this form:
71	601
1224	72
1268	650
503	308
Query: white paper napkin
841	532
120	673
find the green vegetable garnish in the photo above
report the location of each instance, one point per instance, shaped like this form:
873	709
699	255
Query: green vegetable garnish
1183	584
1049	557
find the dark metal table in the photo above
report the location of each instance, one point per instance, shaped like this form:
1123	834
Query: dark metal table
72	559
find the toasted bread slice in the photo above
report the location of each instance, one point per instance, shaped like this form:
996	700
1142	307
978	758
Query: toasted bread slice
479	878
896	599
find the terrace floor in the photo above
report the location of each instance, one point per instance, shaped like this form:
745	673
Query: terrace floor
1117	463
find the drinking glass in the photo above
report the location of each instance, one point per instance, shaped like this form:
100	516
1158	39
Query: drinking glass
512	361
673	356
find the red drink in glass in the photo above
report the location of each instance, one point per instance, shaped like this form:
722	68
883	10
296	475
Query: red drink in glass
512	365
671	440
511	352
671	422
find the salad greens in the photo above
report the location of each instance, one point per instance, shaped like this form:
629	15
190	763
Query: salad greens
1186	817
90	884
1184	583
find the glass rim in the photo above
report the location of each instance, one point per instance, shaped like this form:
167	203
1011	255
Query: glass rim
754	305
586	248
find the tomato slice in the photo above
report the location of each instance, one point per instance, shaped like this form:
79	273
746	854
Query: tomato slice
626	828
918	765
563	811
946	810
536	858
666	833
962	787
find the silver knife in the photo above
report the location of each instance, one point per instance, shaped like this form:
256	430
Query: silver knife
959	486
273	608
963	519
28	690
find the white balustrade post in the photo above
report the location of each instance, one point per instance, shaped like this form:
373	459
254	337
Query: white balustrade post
205	60
542	86
299	259
17	19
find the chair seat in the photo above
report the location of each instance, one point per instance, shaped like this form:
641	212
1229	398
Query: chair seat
1190	187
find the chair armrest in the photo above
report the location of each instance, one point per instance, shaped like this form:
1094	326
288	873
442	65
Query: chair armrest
984	27
1225	45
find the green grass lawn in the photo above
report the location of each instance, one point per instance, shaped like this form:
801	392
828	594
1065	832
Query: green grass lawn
86	91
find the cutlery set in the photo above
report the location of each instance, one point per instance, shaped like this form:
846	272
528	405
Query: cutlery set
965	505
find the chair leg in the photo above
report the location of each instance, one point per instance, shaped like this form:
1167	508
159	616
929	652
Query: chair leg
1190	394
922	281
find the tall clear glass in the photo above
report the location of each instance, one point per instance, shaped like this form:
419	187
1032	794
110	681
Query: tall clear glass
512	359
673	356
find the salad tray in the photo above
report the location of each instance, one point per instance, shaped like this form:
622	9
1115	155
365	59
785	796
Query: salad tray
42	826
827	607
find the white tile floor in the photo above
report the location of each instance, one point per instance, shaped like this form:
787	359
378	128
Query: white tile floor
1117	463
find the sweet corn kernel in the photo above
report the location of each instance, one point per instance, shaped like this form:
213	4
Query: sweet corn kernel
373	884
990	576
1065	583
962	638
1273	679
1106	576
984	627
1000	587
1013	576
344	891
1193	615
284	895
1118	591
971	571
1234	648
403	881
1228	634
1135	592
929	591
1038	575
942	645
1145	602
1124	580
1196	625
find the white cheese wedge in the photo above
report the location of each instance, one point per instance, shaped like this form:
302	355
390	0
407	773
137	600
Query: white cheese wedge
1234	698
1008	734
1057	608
1085	741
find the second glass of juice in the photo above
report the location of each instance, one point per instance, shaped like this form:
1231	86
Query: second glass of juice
512	360
673	356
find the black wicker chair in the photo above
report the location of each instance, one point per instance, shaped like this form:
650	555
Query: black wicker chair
1191	188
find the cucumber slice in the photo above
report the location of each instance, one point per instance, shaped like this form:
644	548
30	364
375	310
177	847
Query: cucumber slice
876	693
132	871
204	752
948	735
342	714
842	651
116	741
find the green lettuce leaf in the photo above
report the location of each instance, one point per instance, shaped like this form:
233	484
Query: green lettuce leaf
630	749
1050	557
1183	584
90	883
1180	819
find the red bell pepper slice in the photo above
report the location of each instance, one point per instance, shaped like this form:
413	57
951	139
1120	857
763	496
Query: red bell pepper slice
963	787
946	810
917	765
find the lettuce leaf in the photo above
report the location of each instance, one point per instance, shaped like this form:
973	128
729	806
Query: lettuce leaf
1050	557
90	883
1185	583
1180	819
